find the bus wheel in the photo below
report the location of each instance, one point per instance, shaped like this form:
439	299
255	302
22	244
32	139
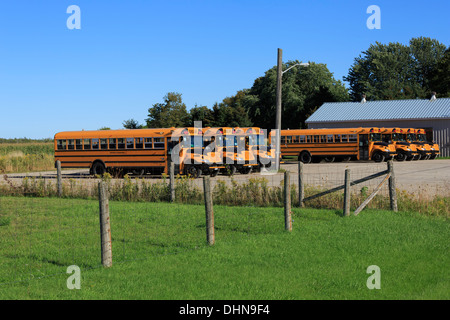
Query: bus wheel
230	170
329	159
432	157
305	157
194	172
246	170
98	168
138	172
401	156
378	157
214	173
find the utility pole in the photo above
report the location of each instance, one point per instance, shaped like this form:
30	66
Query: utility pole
278	117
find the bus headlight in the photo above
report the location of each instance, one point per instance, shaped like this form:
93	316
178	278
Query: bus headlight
432	148
408	149
240	159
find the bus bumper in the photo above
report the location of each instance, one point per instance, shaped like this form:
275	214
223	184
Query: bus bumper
389	155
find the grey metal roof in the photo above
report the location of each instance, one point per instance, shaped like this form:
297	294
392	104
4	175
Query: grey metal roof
382	110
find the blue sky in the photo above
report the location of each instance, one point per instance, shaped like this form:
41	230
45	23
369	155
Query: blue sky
129	54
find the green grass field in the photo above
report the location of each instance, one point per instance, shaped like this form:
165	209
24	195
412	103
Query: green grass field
160	252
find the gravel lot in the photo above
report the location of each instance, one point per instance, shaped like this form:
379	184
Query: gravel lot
426	177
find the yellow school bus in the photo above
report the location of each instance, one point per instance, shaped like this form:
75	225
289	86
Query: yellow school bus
405	150
335	144
137	151
420	147
224	149
257	141
432	148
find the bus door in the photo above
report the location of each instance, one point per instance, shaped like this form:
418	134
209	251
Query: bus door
363	147
170	146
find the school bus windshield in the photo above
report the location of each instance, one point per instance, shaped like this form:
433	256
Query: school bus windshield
421	137
255	140
398	137
375	137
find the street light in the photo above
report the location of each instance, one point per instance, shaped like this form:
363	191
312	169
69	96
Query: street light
278	117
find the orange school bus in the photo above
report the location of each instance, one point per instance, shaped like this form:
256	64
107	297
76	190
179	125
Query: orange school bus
405	150
224	150
258	143
138	151
313	145
432	148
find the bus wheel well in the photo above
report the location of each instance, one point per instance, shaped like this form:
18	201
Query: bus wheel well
305	156
98	167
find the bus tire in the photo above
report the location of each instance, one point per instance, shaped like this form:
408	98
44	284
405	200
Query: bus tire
98	168
246	170
378	157
230	170
329	159
214	173
401	156
305	157
193	171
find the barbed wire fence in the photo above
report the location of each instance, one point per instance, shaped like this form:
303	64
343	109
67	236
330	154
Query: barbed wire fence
47	225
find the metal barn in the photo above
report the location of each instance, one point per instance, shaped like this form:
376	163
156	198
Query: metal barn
432	115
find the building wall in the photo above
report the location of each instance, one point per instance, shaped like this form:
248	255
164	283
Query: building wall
441	128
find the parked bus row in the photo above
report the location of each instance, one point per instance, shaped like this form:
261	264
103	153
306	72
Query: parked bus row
344	144
194	151
210	151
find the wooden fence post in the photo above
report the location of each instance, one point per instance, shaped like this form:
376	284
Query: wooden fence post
172	181
392	187
210	237
287	202
105	227
347	193
301	187
58	178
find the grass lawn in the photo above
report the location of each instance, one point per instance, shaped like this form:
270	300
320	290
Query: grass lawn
160	252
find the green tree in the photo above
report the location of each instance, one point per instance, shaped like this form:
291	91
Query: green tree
231	112
131	124
203	114
440	79
304	89
395	71
171	113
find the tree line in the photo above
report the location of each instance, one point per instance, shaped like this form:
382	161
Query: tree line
382	72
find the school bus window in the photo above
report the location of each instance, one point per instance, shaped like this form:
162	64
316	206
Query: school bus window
375	137
148	143
87	144
352	138
78	145
139	142
104	144
330	138
94	143
130	143
70	144
344	138
121	143
289	139
61	144
316	139
309	139
158	143
283	139
302	139
323	139
112	143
